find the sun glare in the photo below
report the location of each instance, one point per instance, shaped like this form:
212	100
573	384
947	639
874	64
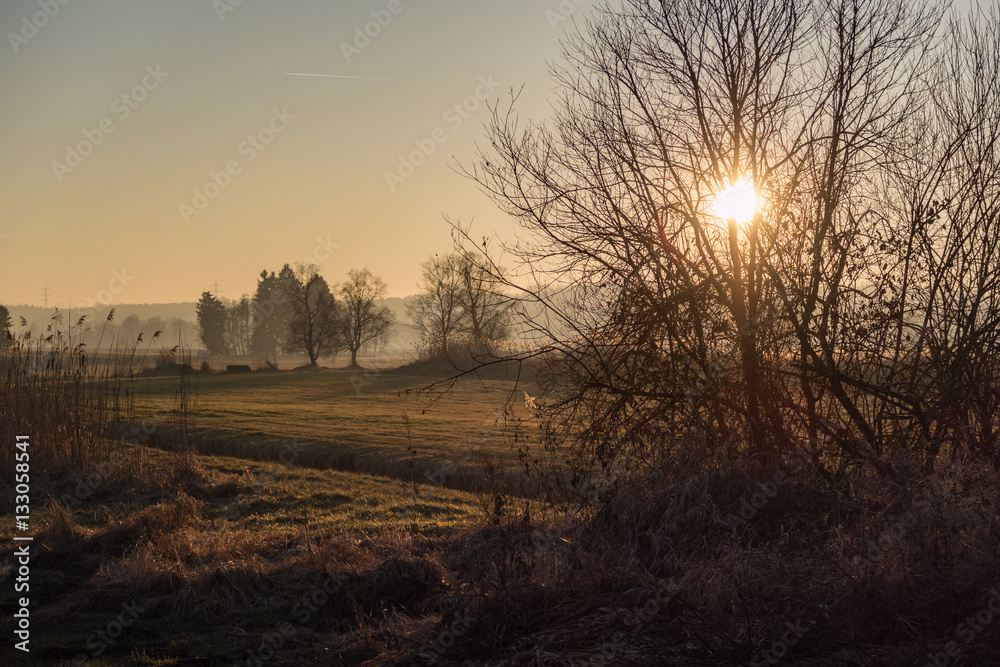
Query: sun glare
737	202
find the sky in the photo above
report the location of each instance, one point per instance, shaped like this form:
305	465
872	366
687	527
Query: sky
154	149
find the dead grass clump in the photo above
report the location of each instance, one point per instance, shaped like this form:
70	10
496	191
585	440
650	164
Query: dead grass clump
175	514
416	585
187	472
229	590
210	487
60	525
65	543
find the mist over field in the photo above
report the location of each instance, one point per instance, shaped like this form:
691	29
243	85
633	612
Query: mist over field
178	323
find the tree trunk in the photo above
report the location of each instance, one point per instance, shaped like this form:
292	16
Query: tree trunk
748	347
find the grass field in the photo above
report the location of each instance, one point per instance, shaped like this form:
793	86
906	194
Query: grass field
220	547
252	548
217	548
370	421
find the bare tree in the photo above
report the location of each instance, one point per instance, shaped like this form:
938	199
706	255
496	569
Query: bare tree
313	322
239	325
855	299
362	319
485	306
437	312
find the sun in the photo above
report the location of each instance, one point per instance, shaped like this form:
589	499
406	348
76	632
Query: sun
737	202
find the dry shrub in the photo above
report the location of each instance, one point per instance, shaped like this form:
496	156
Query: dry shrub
726	591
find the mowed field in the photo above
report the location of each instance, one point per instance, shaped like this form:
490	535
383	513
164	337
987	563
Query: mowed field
218	551
219	556
379	422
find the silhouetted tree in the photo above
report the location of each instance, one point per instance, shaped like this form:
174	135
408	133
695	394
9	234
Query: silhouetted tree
287	284
313	321
436	312
362	319
481	295
270	317
5	325
239	325
857	307
130	329
212	323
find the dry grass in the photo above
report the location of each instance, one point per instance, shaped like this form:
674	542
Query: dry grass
231	561
658	574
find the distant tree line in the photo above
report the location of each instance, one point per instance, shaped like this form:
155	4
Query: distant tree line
126	332
461	304
171	329
295	311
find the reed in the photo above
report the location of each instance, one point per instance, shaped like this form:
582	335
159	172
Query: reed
76	405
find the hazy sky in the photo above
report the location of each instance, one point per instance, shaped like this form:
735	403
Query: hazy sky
153	147
117	111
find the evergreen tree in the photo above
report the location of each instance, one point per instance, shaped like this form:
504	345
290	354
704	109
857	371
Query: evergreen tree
5	324
212	323
269	317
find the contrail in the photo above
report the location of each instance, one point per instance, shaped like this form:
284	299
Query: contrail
337	76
